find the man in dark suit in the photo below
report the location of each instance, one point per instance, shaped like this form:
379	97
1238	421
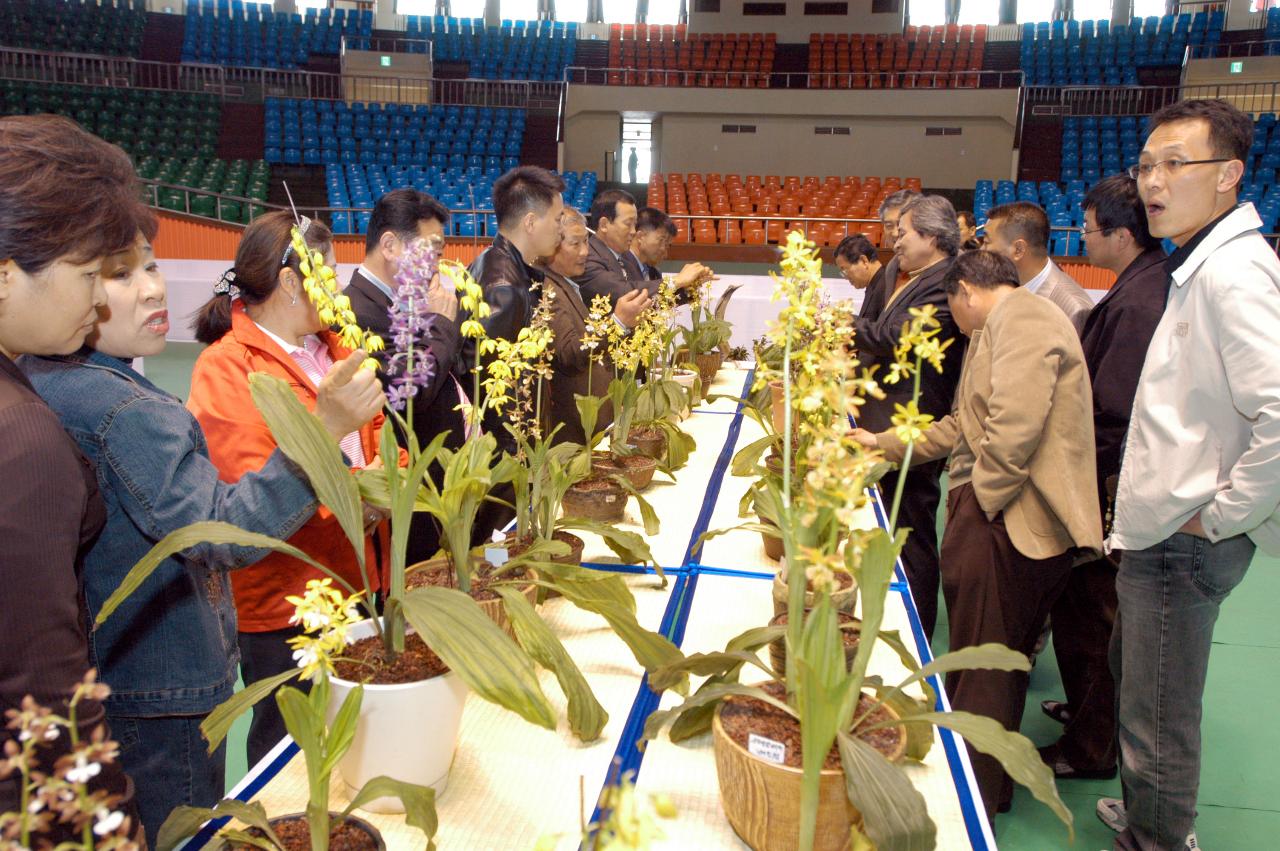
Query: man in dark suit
927	242
1115	339
649	247
859	263
528	203
612	223
398	218
890	212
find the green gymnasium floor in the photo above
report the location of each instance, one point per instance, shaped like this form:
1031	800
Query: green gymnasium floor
1240	780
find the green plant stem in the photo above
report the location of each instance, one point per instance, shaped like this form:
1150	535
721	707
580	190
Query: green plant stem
906	458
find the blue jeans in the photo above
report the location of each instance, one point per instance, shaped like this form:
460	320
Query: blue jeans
169	761
1169	597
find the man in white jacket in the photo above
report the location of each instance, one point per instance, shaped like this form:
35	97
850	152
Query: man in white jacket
1200	479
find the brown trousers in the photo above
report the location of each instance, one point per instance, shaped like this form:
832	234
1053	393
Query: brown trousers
1082	621
994	594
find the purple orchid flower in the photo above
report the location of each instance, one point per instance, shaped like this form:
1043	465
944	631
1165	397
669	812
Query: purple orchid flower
410	319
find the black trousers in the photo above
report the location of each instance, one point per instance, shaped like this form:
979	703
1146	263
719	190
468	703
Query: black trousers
919	513
262	655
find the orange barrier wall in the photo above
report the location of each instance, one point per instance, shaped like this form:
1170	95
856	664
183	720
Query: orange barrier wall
1088	276
188	238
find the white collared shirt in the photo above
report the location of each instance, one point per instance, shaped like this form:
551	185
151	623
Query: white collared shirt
1037	282
1204	437
389	292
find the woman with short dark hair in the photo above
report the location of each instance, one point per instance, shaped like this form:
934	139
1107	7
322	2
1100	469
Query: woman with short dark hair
67	199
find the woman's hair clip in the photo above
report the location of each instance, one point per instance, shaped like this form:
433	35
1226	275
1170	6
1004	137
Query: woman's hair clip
304	224
227	284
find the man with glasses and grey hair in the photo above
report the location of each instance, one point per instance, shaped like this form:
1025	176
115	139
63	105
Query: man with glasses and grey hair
927	240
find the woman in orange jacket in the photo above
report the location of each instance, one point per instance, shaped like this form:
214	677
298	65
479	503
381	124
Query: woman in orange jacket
260	320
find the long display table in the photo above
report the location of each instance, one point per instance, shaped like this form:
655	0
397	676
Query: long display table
512	783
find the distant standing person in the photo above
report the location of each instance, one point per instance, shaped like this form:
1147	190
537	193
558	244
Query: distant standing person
633	163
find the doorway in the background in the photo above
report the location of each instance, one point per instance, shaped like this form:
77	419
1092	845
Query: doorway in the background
635	159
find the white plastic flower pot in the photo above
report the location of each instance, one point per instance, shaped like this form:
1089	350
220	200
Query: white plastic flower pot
408	732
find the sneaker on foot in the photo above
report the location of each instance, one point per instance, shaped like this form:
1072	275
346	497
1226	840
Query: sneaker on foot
1111	813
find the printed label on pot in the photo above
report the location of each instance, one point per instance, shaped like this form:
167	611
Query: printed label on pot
610	498
496	556
766	749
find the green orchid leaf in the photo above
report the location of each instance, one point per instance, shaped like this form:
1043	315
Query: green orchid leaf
650	649
185	822
182	823
471	644
586	716
629	546
342	731
705	665
874	576
892	638
419	803
304	726
894	813
218	723
1014	751
656	721
697	720
822	700
305	441
204	532
747	460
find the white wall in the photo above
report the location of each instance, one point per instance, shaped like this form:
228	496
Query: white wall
887	131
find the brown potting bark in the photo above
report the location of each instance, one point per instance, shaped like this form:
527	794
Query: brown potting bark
743	716
295	833
366	662
575	544
443	577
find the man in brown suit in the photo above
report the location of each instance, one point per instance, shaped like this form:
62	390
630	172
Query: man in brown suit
1023	498
574	372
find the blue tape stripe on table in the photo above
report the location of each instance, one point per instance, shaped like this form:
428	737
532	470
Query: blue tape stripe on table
628	756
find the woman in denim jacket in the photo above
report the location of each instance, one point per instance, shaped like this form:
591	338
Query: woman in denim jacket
169	652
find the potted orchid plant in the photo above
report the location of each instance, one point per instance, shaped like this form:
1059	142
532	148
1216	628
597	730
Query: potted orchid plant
426	646
324	737
832	775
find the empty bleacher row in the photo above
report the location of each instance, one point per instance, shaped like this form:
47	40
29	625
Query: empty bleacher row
113	27
641	55
247	34
807	203
515	50
238	178
1094	53
463	191
923	57
455	137
178	124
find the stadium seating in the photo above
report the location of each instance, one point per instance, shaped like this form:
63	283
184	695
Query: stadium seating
516	50
1094	53
923	57
237	177
462	190
807	203
74	26
327	132
666	55
179	124
247	34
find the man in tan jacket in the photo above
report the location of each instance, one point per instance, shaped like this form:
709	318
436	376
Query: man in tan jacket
1023	502
573	371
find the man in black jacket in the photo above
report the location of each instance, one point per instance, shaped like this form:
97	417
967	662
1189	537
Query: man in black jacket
928	239
398	218
612	224
528	204
1115	339
859	263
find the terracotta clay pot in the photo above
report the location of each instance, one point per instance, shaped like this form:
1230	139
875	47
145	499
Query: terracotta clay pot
777	401
708	366
773	547
650	442
596	499
762	799
778	649
636	469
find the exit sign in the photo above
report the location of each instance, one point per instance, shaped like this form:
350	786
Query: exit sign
386	63
1237	67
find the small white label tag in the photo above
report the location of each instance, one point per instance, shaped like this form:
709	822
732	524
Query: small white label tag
496	556
767	749
610	498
